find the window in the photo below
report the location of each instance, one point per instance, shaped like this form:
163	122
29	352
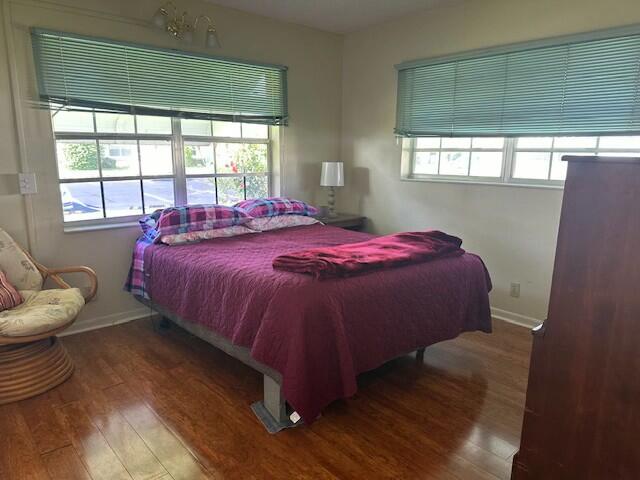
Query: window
542	100
119	166
198	133
524	160
458	157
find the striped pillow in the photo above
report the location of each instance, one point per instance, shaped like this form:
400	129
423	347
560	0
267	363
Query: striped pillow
274	206
9	296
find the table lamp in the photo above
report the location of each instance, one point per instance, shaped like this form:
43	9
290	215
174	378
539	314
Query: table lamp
332	177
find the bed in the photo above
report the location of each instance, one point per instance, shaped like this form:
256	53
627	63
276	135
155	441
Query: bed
310	338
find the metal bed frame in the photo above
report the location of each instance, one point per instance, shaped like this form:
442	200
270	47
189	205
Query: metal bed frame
273	410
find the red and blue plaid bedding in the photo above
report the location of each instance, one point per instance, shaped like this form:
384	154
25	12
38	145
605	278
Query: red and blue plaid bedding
274	206
135	283
135	280
173	221
196	218
149	224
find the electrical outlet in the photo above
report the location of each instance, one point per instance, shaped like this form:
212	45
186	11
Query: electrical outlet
515	290
27	183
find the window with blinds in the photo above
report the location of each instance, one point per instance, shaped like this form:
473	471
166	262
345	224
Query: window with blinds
103	75
138	128
571	86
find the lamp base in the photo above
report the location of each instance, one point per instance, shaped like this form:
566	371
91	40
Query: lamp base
332	203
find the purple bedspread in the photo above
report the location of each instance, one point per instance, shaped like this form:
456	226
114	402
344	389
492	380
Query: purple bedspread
319	334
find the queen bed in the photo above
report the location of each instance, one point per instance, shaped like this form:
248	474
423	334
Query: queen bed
309	337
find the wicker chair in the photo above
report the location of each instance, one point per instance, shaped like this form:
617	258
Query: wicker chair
32	359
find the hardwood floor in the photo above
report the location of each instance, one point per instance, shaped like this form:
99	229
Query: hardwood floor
164	405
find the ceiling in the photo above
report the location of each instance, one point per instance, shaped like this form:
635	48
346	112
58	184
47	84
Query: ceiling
339	16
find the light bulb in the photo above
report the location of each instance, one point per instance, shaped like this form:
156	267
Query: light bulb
160	19
212	40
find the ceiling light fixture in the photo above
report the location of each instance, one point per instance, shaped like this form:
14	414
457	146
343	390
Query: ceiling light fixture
180	26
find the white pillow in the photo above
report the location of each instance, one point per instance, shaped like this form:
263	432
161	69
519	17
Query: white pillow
264	224
191	237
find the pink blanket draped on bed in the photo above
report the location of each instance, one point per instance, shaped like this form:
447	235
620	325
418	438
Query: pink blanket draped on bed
381	252
319	334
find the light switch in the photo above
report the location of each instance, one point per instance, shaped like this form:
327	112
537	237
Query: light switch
27	183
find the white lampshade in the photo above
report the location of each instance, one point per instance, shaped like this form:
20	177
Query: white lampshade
332	174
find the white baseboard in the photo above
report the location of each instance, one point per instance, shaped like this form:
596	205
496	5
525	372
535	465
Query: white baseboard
106	321
515	318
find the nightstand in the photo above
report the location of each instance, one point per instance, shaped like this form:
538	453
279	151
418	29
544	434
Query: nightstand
345	220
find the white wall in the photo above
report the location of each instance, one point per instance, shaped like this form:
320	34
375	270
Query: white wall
12	213
314	61
513	229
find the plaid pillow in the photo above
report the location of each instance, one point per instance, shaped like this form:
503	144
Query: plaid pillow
196	218
9	296
149	224
274	206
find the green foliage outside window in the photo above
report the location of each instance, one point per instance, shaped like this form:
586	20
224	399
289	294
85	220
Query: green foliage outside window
84	156
252	156
81	156
190	159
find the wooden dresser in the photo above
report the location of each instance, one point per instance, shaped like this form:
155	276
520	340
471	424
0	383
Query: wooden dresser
582	417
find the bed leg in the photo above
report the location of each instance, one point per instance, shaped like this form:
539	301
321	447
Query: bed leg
274	402
272	410
420	355
165	323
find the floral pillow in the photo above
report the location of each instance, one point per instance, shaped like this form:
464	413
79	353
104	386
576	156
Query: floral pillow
264	224
274	206
191	237
9	296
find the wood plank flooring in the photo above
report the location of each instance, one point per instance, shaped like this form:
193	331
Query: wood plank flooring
146	404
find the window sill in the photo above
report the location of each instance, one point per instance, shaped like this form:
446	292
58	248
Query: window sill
484	183
73	228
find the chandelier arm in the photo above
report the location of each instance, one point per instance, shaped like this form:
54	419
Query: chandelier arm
169	4
181	25
211	25
182	22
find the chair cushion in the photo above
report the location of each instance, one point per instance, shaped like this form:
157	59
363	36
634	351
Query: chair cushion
20	271
41	312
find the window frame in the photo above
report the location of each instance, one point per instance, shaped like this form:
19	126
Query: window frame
509	151
452	178
179	175
216	140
